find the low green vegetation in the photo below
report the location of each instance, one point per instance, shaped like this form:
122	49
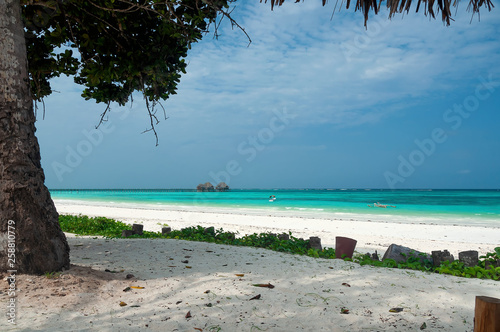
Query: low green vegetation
109	228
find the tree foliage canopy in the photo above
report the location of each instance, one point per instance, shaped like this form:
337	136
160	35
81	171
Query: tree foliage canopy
124	45
138	45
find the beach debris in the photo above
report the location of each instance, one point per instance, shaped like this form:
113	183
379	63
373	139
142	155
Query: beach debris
315	243
128	289
137	287
188	267
188	315
264	285
439	257
240	274
178	302
395	309
344	311
129	276
185	261
256	297
207	291
346	284
400	254
469	258
423	326
187	249
208	305
198	329
135	306
137	229
166	230
112	271
373	257
122	304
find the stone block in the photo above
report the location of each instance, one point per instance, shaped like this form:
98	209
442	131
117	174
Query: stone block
284	237
315	243
127	233
400	254
439	257
469	258
137	229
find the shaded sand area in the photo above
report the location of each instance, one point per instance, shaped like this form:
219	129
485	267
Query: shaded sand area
217	292
191	286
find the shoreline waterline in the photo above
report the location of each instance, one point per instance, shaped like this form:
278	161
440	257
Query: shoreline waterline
447	207
302	214
372	234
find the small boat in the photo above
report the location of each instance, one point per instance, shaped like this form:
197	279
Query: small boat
272	198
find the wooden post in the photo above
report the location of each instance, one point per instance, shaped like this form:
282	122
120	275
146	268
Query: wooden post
487	314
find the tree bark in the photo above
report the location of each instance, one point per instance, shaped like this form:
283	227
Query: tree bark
31	240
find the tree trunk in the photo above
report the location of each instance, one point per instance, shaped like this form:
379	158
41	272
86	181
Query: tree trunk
31	240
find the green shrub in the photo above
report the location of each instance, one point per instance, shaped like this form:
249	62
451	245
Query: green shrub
110	228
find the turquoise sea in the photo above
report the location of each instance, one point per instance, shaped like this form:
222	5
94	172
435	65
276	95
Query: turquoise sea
477	205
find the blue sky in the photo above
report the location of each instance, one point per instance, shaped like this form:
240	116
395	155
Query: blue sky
312	102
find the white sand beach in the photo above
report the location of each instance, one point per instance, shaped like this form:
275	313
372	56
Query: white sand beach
191	286
373	232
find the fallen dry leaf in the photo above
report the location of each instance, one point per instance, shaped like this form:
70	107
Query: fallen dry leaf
188	315
346	284
256	297
264	285
240	274
122	304
137	287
